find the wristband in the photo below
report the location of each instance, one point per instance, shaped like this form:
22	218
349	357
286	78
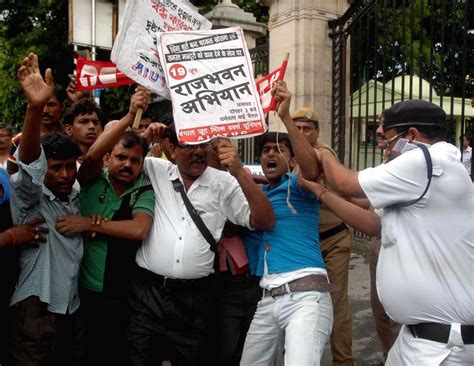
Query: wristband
319	196
12	236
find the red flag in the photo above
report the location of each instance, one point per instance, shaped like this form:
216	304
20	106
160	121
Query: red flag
264	87
98	74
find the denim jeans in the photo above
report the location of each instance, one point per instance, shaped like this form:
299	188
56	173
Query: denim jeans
302	320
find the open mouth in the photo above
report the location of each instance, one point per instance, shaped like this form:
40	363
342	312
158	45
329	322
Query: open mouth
271	165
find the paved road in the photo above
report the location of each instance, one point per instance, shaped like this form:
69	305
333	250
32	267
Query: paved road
365	344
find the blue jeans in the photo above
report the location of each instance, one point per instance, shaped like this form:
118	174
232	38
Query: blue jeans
302	320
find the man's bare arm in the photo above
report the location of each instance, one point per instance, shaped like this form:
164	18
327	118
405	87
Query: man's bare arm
37	91
343	180
304	152
92	164
353	215
261	212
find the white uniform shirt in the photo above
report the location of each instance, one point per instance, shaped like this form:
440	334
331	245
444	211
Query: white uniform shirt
425	268
175	247
467	159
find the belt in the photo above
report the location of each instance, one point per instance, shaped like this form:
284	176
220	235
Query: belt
440	332
331	232
309	283
197	283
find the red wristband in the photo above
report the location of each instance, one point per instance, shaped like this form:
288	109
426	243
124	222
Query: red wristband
12	236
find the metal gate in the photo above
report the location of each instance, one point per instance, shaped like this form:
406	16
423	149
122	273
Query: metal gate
385	51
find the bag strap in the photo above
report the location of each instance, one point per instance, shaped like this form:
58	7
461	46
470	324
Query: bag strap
429	168
178	187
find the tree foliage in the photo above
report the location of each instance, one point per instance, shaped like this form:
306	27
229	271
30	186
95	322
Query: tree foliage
430	39
39	26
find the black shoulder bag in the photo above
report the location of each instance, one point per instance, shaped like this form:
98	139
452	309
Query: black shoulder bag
178	187
429	168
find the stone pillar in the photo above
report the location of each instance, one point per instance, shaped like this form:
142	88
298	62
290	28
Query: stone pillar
300	27
226	14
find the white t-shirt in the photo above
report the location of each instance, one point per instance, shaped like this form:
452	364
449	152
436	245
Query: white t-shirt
425	271
467	159
175	247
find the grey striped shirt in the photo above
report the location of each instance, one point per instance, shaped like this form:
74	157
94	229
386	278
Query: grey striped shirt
51	269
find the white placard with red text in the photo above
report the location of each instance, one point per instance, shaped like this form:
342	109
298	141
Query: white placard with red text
134	50
210	78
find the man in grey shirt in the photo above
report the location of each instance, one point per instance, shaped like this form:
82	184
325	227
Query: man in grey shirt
45	325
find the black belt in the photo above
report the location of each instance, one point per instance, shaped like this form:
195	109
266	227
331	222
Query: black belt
331	232
197	283
440	332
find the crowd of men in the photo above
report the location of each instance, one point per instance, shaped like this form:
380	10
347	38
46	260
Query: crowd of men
127	247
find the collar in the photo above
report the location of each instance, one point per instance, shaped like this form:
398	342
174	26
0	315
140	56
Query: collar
46	191
204	179
134	186
284	178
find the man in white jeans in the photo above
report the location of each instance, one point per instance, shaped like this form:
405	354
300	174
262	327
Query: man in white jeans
296	305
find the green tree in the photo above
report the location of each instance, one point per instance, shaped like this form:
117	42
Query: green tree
39	26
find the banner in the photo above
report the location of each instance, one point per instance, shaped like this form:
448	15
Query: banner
210	78
98	74
134	49
265	84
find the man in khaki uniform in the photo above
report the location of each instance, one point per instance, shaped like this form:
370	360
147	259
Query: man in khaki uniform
335	242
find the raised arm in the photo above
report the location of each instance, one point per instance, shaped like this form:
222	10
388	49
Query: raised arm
261	213
92	164
37	91
304	152
353	215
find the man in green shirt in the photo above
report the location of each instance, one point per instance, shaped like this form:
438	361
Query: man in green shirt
123	197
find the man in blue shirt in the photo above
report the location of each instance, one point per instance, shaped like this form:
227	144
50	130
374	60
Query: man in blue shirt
296	307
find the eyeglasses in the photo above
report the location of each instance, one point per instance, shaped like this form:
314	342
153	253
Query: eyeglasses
386	142
206	146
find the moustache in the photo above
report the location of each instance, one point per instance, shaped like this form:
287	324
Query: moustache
126	170
197	160
45	114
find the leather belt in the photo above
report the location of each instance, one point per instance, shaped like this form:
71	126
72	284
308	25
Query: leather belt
331	232
309	283
197	283
440	332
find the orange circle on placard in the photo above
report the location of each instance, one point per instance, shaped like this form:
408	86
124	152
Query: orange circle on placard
178	72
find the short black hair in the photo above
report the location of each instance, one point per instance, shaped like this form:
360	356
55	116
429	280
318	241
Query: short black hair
4	126
468	138
170	133
60	146
131	139
60	93
272	137
83	106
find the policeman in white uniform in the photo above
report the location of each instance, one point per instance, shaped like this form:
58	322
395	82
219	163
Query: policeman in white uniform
426	204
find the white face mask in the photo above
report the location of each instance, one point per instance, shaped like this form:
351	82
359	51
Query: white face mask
404	145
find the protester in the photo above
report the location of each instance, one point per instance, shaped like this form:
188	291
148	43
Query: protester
123	196
11	238
466	153
296	307
172	304
6	134
424	199
50	123
335	243
45	322
237	289
84	121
